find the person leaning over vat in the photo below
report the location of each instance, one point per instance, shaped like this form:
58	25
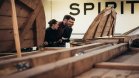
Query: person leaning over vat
68	30
64	30
51	33
62	25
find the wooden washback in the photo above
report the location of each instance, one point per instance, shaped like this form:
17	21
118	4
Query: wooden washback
73	66
10	66
31	24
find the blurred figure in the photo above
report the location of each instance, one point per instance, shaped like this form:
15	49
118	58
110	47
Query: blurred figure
51	33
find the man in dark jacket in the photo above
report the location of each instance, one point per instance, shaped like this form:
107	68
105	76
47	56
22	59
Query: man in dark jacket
62	25
65	29
68	30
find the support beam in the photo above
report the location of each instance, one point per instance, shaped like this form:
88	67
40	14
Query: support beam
112	28
107	26
121	66
28	24
30	3
121	39
15	29
24	5
103	24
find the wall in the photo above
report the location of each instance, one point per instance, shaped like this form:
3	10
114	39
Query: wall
126	19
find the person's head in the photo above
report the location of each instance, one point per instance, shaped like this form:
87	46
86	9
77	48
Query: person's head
70	22
53	24
66	18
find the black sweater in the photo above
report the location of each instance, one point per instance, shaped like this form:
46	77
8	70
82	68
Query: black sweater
67	33
51	37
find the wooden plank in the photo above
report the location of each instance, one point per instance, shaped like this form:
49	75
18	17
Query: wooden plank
94	73
102	24
5	9
133	59
44	57
24	5
28	26
12	55
7	24
6	44
130	63
109	73
112	40
30	22
98	27
15	29
95	30
23	12
91	30
9	35
130	31
134	74
30	3
117	74
122	66
103	21
108	26
120	39
112	28
71	67
97	34
40	27
47	49
96	40
125	39
128	59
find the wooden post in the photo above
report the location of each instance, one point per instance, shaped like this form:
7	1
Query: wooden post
15	29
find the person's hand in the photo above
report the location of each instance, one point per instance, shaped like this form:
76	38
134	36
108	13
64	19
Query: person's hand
45	43
60	41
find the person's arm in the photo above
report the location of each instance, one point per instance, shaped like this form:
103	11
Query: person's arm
47	37
67	34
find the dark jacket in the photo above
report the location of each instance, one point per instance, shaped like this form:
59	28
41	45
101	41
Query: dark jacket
67	33
51	37
61	30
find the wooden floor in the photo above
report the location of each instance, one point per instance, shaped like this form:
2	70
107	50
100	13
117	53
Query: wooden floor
110	73
130	58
